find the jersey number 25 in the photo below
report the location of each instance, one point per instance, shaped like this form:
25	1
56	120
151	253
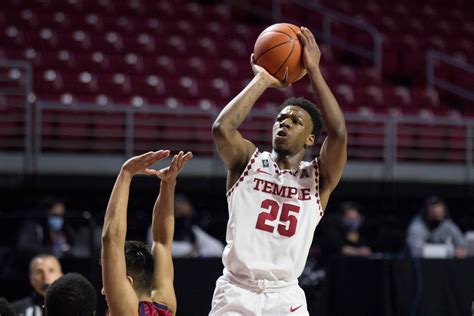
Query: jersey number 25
287	227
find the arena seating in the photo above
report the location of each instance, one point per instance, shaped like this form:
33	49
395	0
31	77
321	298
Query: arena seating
192	54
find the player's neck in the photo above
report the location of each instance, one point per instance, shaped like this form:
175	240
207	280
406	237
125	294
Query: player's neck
144	298
287	161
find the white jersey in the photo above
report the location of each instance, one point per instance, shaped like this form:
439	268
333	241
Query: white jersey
272	217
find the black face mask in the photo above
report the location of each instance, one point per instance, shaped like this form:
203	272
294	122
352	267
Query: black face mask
183	230
433	223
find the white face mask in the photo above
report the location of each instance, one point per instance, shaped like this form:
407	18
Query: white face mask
55	222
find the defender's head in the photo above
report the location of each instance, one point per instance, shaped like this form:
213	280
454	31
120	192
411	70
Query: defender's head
297	126
139	262
70	295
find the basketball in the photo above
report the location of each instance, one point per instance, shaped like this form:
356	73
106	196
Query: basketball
277	48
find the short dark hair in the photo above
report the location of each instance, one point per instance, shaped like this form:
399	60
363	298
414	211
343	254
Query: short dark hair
309	107
139	263
70	295
433	200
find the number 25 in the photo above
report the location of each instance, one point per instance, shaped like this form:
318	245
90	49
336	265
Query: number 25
285	217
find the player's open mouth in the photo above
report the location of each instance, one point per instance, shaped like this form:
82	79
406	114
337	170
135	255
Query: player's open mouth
282	133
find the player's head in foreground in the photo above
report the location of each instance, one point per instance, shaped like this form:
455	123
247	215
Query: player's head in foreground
70	295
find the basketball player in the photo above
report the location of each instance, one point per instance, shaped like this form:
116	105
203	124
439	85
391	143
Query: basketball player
134	279
275	199
70	295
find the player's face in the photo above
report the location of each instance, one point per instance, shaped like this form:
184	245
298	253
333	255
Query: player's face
43	272
292	130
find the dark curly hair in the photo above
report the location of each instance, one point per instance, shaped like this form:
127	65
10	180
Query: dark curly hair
310	108
139	262
70	295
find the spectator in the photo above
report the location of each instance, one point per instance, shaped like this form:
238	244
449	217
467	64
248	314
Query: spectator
343	237
5	308
44	270
189	239
70	295
433	226
48	236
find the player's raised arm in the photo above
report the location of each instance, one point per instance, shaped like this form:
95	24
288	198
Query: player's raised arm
333	153
232	147
163	231
121	297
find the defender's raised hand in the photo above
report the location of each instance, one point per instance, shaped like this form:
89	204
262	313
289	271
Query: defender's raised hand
141	164
311	51
177	164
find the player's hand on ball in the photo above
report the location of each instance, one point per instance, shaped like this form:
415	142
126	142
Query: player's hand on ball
269	79
141	164
177	164
311	51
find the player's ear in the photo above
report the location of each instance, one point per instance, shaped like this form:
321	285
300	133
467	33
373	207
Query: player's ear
310	140
130	279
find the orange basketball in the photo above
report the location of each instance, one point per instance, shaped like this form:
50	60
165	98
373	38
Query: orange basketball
277	48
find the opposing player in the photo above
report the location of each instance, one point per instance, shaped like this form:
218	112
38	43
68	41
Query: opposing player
134	279
275	199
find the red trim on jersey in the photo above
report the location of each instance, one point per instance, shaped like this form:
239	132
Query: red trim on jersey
316	179
245	172
153	309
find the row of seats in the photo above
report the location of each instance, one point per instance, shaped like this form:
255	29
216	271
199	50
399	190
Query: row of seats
218	89
92	22
170	10
113	42
408	30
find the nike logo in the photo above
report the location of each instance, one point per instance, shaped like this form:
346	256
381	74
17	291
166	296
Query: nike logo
294	309
260	170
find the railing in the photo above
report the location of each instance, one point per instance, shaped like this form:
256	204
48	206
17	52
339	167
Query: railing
436	59
328	17
124	131
16	108
78	130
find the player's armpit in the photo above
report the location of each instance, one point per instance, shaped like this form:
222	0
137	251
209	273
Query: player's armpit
162	283
234	150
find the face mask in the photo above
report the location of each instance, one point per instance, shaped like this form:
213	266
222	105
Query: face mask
433	223
352	225
55	222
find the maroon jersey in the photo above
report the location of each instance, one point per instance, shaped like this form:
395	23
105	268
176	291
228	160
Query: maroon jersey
153	309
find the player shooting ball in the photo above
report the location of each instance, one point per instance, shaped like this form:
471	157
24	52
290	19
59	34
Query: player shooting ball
275	199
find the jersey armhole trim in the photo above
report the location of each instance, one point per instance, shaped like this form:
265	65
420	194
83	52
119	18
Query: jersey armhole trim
316	186
244	173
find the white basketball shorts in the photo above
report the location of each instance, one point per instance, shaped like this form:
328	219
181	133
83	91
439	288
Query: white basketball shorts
232	300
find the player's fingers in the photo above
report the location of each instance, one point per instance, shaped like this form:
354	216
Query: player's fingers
302	37
158	155
145	155
186	158
309	35
188	155
174	161
179	161
150	172
285	77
